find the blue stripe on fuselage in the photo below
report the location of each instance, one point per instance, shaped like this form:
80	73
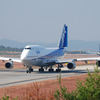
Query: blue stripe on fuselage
56	53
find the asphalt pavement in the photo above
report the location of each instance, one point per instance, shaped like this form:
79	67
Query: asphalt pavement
9	77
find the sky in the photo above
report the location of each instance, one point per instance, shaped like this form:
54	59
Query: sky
43	20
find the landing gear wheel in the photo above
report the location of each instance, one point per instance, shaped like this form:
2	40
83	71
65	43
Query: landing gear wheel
41	70
51	70
31	70
27	71
58	70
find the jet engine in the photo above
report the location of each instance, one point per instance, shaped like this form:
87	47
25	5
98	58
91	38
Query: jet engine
9	65
71	65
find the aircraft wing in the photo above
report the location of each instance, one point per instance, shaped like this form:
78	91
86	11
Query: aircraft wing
13	59
57	61
88	59
64	60
76	59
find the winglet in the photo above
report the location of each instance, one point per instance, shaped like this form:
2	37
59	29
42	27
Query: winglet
64	38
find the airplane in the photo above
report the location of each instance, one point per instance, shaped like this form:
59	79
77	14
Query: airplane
35	55
98	52
95	52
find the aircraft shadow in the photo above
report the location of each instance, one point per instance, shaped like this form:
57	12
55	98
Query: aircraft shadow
45	72
64	71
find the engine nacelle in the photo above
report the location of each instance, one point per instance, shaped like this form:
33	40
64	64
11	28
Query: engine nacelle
9	65
71	65
98	63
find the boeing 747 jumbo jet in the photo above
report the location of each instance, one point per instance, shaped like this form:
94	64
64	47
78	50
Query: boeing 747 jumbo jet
35	55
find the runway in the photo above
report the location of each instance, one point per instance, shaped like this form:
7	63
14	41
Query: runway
9	77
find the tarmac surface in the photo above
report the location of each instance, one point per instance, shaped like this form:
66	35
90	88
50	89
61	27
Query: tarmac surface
9	77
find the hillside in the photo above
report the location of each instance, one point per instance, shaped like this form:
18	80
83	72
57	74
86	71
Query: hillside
72	44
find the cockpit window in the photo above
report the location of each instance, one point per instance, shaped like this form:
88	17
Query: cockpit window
28	48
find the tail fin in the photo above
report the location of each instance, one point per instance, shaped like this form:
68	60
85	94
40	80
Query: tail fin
64	38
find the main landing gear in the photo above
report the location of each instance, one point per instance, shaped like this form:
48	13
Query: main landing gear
51	69
29	70
58	70
59	66
41	69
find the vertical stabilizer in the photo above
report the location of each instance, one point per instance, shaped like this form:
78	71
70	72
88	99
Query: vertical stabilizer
64	38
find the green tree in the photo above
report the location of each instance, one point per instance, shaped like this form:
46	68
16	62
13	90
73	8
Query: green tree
86	90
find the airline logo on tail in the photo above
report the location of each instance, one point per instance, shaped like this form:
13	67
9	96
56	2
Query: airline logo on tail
64	40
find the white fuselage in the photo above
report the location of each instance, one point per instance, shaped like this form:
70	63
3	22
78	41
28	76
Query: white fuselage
34	55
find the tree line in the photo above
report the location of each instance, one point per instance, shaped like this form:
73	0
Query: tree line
3	48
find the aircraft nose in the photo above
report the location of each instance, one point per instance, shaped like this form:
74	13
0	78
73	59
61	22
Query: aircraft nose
23	56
